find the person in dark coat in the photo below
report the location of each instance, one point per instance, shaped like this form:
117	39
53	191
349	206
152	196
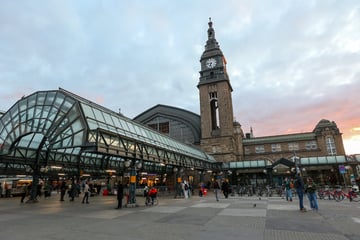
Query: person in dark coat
299	186
225	188
120	195
63	190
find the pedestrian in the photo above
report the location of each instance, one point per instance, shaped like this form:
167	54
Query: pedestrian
225	188
310	189
86	193
288	189
72	191
185	189
24	192
63	188
216	189
120	195
299	186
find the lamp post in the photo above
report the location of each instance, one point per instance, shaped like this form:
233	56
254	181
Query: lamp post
175	170
296	160
133	165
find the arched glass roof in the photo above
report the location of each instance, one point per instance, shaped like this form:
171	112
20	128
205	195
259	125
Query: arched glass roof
59	127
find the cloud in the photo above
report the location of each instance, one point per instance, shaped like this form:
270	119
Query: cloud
291	63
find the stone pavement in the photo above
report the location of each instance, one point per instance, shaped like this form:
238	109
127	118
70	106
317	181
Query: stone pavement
194	218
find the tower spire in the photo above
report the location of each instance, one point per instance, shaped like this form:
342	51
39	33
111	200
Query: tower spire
211	43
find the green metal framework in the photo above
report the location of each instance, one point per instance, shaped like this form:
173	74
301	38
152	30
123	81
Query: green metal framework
59	128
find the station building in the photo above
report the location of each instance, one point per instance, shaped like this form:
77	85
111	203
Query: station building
247	159
166	139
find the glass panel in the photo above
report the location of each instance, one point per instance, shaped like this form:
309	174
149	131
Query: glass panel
22	105
59	100
78	138
32	100
45	112
246	164
6	119
233	164
40	98
98	115
67	105
124	124
92	124
67	142
30	112
50	98
87	111
340	159
73	114
35	142
315	160
52	113
116	122
13	112
77	126
38	111
108	119
22	116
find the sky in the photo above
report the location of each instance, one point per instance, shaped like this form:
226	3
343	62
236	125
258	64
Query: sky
291	63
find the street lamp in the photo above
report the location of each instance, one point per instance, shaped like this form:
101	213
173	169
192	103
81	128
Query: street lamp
133	165
296	160
175	170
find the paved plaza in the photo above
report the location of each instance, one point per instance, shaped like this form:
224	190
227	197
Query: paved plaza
247	218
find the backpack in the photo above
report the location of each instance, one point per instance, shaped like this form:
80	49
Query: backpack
186	187
296	183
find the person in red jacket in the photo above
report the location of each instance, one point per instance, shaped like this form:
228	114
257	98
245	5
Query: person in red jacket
153	193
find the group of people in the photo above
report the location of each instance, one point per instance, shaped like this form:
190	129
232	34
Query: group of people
308	187
74	190
223	187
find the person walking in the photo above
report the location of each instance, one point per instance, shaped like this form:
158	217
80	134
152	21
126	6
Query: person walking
72	191
225	188
299	186
120	195
288	189
310	189
216	189
86	193
24	192
63	188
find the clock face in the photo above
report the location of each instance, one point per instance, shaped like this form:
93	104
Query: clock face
210	63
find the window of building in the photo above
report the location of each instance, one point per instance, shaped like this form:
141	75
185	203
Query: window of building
276	147
160	127
330	145
293	146
259	149
247	150
311	145
215	122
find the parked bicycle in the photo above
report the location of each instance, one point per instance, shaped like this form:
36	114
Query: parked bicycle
326	193
352	195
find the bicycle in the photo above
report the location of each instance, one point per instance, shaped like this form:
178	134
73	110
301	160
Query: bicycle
151	200
351	195
151	197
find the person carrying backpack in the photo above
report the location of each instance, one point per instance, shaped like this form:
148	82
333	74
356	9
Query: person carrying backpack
299	186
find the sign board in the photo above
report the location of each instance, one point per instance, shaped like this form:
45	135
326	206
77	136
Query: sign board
342	169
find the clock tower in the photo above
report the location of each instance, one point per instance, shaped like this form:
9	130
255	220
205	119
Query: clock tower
220	137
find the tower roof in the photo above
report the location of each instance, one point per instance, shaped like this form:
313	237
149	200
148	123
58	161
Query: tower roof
212	47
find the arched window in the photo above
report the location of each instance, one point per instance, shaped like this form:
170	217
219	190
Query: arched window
215	123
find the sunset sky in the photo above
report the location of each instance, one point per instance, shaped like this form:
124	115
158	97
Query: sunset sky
290	63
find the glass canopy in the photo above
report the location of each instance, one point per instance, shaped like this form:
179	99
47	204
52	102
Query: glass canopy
61	128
